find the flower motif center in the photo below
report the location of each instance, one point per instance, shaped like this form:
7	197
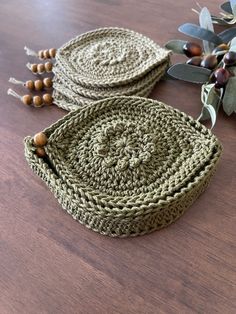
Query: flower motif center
124	145
107	53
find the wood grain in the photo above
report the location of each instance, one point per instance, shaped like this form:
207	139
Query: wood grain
51	264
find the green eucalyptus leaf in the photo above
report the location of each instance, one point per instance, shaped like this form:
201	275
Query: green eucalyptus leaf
200	33
206	114
228	34
212	114
229	99
210	96
233	6
176	45
233	44
189	73
229	17
205	21
211	102
232	70
226	7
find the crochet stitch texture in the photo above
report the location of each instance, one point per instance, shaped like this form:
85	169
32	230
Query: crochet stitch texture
126	166
107	62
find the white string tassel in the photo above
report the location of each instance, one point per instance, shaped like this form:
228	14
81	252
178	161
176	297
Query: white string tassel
30	52
14	81
13	93
28	65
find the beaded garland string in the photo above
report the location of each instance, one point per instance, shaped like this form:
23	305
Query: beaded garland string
38	85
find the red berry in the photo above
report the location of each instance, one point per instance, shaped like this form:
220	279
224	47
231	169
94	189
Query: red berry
230	58
192	49
221	77
209	62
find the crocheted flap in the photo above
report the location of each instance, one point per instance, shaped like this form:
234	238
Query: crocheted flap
109	57
136	88
127	158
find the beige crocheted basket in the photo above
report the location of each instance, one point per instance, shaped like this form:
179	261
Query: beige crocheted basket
126	166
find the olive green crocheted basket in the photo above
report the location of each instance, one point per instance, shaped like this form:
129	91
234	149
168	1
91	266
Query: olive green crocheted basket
75	92
104	63
126	166
108	57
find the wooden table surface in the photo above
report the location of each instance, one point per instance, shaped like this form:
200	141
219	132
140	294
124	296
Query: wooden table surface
49	263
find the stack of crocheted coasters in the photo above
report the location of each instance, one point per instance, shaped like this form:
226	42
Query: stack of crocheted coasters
125	166
106	62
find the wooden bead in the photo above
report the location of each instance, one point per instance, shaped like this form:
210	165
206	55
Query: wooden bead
40	152
34	68
48	66
40	139
47	99
47	82
46	54
38	85
37	100
40	68
41	54
27	99
29	84
52	52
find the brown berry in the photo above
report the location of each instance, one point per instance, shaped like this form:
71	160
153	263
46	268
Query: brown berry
230	58
195	61
48	66
52	52
41	54
40	152
221	76
37	100
38	85
47	81
34	68
27	99
192	49
29	84
47	99
46	54
40	68
221	47
209	62
40	139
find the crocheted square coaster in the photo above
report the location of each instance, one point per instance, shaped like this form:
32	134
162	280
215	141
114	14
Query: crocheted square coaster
126	166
